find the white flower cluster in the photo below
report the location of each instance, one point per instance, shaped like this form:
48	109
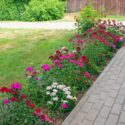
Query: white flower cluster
54	92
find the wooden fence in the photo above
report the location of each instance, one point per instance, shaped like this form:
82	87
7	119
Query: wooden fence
112	7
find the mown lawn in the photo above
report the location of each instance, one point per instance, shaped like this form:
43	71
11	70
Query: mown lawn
22	48
117	18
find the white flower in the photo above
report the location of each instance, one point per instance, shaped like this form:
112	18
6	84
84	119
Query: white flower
53	94
55	90
47	93
49	88
69	88
74	51
55	83
55	99
50	102
63	48
64	101
65	89
53	86
69	97
67	92
60	86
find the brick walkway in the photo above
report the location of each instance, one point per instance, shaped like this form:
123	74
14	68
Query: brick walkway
104	103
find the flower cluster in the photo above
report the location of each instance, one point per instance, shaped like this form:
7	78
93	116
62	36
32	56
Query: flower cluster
15	96
60	94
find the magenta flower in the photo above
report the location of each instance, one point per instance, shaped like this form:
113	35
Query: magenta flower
72	61
87	74
46	67
30	68
119	38
16	85
6	101
71	55
57	61
80	64
63	57
64	105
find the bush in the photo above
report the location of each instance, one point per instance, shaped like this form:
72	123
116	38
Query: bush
41	10
10	10
34	10
87	18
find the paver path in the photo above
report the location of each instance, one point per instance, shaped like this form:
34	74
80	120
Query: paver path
104	103
39	25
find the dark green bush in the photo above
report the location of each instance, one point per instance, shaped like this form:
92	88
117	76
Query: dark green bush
39	10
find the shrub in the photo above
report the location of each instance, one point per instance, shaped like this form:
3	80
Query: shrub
39	10
10	10
87	17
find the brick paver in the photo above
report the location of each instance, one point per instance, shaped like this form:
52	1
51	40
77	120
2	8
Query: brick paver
104	103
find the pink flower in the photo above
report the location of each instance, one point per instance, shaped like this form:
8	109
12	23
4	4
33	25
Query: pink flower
72	61
87	74
16	85
70	55
119	38
80	64
113	46
30	68
63	57
46	67
64	105
6	101
57	61
60	66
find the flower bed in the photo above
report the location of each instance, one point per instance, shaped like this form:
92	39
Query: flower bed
54	91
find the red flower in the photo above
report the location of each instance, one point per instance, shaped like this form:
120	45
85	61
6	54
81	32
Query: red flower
5	90
76	35
45	117
37	112
84	58
14	99
31	105
15	93
23	96
52	57
28	101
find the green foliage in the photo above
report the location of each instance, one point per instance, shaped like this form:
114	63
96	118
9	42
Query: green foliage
10	10
39	10
87	18
34	10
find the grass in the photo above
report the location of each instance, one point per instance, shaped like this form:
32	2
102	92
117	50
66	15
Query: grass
117	18
22	48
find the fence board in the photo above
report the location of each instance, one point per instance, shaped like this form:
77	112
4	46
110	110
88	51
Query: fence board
113	7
